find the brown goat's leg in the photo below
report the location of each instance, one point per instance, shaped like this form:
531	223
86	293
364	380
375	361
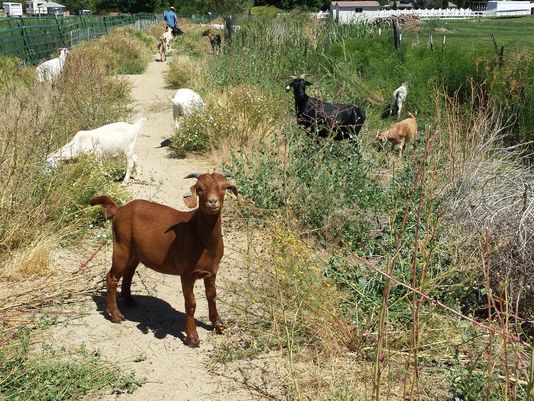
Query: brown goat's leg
211	294
126	292
112	281
191	335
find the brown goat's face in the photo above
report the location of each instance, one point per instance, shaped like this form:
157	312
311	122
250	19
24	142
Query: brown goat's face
210	190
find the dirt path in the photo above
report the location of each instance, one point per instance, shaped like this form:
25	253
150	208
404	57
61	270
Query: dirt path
150	340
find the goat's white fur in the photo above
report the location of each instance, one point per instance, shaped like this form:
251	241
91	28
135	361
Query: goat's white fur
49	70
168	37
398	97
184	103
111	139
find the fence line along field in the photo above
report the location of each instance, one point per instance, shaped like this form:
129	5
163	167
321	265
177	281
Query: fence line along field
352	271
33	39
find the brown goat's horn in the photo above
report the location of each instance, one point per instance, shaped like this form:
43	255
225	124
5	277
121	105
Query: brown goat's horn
226	175
193	175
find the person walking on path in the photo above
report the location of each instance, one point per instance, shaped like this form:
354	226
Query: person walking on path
170	18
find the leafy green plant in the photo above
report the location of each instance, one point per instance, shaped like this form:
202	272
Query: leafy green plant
57	374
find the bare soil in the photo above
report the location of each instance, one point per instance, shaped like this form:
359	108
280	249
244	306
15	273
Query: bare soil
150	340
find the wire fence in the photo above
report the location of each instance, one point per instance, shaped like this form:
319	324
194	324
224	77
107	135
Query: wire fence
33	39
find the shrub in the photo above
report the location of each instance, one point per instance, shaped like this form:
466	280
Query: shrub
181	72
236	118
123	51
268	12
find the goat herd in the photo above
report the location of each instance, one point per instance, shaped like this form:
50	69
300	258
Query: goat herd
164	41
189	244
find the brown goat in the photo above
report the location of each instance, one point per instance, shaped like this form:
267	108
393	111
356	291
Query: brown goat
187	244
400	133
215	41
162	48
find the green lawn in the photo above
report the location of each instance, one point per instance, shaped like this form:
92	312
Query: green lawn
512	32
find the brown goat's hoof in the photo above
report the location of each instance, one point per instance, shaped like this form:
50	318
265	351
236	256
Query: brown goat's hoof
192	341
219	327
116	318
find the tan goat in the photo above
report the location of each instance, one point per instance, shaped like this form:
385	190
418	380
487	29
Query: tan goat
162	48
400	133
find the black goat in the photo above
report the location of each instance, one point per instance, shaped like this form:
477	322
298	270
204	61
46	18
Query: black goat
215	41
340	120
176	31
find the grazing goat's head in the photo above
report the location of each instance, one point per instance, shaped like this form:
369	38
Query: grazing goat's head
207	33
299	85
381	137
210	190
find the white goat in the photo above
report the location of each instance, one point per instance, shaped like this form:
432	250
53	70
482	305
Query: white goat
184	103
220	27
398	97
168	37
111	139
49	70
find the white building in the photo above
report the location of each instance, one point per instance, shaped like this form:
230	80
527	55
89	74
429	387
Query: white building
509	7
349	11
35	7
12	9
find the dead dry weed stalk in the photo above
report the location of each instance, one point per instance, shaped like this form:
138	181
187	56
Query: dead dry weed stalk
489	193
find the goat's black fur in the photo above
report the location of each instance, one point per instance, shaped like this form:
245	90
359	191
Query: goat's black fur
176	31
215	41
341	121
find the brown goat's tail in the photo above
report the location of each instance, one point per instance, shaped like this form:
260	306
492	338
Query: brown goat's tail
411	115
110	207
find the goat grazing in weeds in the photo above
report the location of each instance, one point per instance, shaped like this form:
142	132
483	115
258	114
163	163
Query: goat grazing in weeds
340	120
110	139
400	133
398	97
215	41
187	244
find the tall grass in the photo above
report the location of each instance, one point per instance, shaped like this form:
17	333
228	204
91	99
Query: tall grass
37	119
409	249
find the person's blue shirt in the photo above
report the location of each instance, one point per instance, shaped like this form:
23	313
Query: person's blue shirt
170	18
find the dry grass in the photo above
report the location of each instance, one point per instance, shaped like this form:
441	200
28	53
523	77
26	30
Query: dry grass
36	119
35	260
489	194
183	72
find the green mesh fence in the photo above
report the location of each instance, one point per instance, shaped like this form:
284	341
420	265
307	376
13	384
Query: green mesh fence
33	39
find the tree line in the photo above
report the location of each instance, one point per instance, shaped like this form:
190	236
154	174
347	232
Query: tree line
187	6
219	6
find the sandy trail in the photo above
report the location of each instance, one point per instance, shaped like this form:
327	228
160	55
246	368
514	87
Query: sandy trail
150	340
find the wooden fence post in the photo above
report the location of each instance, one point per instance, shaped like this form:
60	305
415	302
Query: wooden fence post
396	38
498	55
431	41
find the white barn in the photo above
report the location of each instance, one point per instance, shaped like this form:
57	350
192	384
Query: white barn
348	11
509	7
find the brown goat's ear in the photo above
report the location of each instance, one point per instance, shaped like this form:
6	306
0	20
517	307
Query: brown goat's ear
232	188
191	200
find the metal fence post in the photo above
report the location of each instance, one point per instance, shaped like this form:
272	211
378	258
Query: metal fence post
60	30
